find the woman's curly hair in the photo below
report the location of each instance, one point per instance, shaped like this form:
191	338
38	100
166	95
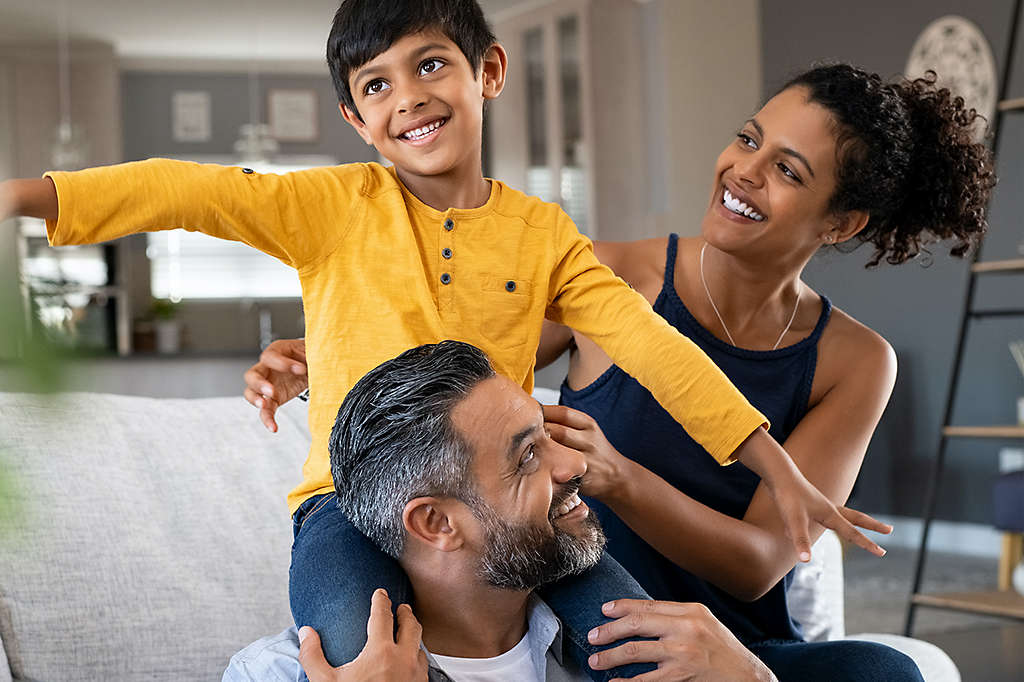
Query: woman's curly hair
907	157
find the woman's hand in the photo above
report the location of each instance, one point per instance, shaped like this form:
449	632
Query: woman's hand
688	643
279	376
606	467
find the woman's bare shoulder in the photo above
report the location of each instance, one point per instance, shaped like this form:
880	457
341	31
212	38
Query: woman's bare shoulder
638	262
849	348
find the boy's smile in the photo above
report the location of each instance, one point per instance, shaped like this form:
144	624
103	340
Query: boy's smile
420	103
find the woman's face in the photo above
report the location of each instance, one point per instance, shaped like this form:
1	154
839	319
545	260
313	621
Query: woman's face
774	181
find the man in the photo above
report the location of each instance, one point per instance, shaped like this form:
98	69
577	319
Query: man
447	467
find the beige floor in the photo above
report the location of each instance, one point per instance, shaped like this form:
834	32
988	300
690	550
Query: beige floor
985	649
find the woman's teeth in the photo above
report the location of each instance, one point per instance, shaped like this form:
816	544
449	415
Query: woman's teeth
568	505
420	133
739	208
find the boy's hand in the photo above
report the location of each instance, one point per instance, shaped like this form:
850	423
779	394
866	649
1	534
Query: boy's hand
799	502
579	431
690	643
385	658
279	376
35	197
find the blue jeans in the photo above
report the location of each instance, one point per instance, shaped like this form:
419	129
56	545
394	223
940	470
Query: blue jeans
843	661
335	569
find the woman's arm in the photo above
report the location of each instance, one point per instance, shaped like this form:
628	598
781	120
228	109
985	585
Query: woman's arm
744	557
555	339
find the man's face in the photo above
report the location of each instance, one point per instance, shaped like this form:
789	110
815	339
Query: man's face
421	104
533	526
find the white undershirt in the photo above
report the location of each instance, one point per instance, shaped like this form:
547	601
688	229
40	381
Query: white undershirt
514	664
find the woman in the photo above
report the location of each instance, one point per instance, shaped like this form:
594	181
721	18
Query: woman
837	155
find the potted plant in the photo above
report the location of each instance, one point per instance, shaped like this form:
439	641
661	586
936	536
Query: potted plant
166	325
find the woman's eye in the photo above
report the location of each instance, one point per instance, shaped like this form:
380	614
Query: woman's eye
376	86
430	66
746	140
788	172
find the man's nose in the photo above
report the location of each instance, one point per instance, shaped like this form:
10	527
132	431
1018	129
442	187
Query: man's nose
566	464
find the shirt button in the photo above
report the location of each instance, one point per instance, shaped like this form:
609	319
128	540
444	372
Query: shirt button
510	286
247	170
449	224
446	252
446	278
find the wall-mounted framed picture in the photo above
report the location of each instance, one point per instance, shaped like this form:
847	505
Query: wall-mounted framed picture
292	115
190	116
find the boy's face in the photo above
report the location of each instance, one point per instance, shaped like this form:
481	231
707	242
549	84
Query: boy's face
422	104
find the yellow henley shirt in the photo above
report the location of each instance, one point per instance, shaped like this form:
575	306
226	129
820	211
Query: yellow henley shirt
382	272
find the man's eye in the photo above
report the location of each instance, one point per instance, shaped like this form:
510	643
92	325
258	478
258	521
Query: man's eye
747	140
376	86
430	66
527	458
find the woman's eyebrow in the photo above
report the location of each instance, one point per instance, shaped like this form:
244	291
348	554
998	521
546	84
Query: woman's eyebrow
789	151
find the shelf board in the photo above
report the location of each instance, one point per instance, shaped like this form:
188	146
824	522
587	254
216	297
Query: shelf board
1005	603
1012	265
1011	104
983	431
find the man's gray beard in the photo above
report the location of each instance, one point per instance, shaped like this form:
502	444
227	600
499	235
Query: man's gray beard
524	557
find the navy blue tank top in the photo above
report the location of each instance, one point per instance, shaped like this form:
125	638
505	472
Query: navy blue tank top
777	382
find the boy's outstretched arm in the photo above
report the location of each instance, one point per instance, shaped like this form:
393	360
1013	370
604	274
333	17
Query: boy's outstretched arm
34	198
800	503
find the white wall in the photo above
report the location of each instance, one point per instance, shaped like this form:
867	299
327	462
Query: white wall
671	81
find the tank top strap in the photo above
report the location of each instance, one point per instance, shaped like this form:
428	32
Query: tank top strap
669	285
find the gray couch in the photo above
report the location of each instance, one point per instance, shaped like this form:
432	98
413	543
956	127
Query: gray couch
151	539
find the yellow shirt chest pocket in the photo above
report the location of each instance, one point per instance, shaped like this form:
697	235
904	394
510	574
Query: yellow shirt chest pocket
505	305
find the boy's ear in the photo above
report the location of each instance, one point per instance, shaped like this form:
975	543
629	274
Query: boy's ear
352	118
436	522
846	225
495	66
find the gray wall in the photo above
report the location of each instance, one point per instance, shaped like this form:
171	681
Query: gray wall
917	309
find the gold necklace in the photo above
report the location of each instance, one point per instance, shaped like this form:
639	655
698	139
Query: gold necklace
715	307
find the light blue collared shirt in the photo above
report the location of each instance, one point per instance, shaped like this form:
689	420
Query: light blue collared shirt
276	658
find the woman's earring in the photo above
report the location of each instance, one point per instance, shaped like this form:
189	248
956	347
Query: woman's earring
829	239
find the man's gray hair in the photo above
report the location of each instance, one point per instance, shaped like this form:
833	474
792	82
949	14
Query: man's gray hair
393	439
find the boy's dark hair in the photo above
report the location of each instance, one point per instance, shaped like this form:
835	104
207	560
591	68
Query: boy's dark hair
363	29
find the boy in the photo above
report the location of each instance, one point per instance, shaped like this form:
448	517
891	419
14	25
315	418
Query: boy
391	258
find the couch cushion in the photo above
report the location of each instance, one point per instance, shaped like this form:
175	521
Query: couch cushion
152	539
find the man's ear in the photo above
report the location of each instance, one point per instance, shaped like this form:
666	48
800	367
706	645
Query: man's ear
494	68
846	225
435	521
352	118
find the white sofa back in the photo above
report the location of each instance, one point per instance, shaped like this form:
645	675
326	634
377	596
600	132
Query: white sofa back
151	539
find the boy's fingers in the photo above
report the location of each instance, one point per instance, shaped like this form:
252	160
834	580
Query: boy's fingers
851	534
410	632
380	626
276	361
311	655
251	397
863	520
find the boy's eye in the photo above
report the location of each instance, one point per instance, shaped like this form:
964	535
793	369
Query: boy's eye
430	66
375	86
